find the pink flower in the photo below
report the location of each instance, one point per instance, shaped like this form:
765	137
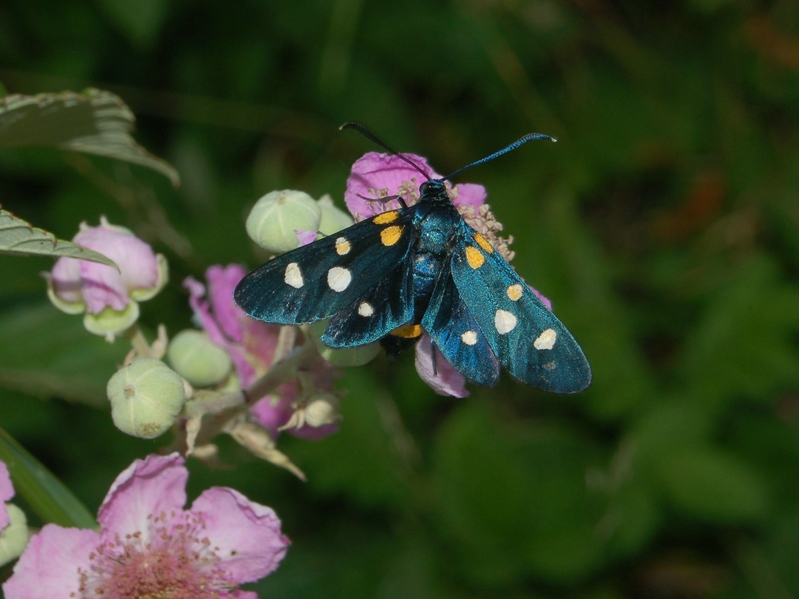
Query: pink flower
252	345
149	546
376	176
99	286
6	493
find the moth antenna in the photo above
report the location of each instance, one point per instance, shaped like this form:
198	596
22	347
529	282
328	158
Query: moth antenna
505	150
371	136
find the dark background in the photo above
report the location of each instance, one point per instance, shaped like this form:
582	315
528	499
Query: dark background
664	226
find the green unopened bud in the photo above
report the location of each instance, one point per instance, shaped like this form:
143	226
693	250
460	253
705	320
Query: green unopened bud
333	219
198	359
14	537
275	219
146	397
355	356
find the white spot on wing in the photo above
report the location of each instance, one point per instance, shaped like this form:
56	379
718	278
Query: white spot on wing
546	340
293	275
338	278
469	337
365	309
504	322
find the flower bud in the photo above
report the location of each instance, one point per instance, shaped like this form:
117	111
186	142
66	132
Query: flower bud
333	219
103	292
354	356
277	216
198	359
14	537
146	397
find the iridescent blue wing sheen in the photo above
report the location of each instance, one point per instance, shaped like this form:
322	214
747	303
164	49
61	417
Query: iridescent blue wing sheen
332	274
530	342
378	311
456	334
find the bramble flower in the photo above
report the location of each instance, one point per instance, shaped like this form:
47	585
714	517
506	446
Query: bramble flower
148	545
253	348
109	297
376	176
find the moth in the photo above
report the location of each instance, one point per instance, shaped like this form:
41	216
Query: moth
421	269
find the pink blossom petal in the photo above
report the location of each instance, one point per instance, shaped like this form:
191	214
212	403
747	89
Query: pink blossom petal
273	411
239	594
222	280
542	297
145	489
138	267
102	287
440	375
306	237
66	280
470	194
374	172
48	569
202	311
6	493
247	534
313	433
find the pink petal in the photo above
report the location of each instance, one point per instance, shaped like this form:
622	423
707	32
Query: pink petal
313	433
103	287
138	267
247	534
48	568
202	311
306	237
145	489
6	493
273	411
374	172
66	280
542	297
239	594
222	280
470	194
440	375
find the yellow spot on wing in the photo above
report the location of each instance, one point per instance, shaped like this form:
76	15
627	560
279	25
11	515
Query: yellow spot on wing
342	246
515	292
408	331
390	235
483	243
386	217
474	257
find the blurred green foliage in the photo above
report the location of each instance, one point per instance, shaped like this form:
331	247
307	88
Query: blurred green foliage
664	226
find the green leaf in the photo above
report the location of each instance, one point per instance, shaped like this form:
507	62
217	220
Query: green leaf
18	237
47	353
513	500
714	486
140	21
46	495
94	122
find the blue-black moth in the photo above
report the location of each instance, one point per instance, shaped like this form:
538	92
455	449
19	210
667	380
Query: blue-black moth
421	268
